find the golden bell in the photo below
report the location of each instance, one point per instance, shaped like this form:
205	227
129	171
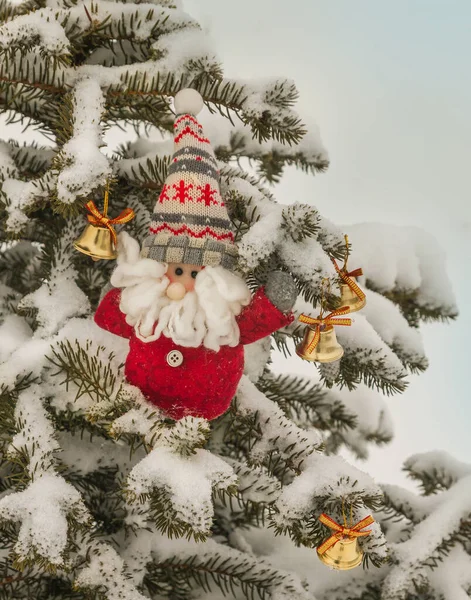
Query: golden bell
97	243
343	555
327	349
349	298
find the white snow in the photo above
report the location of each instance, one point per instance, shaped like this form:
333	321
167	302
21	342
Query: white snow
361	341
106	569
56	301
188	482
392	327
14	331
43	508
438	461
40	25
403	258
278	432
88	167
256	356
322	475
373	417
35	435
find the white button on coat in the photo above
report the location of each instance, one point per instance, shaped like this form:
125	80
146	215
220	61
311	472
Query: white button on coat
175	358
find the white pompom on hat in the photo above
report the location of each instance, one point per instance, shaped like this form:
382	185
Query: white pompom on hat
188	102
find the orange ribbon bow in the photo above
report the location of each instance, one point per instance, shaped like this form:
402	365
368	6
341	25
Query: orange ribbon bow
342	531
346	277
97	218
320	323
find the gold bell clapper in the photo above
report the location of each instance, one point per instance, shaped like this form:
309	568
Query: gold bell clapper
351	294
341	550
319	343
99	240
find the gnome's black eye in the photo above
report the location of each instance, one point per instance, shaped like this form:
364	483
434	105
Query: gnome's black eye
178	271
194	274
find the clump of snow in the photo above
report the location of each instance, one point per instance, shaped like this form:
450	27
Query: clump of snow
255	484
14	331
374	418
7	164
41	26
394	329
56	301
361	342
256	357
187	480
403	258
322	476
106	569
88	167
28	358
20	196
179	48
307	260
438	461
277	432
42	509
283	584
35	437
445	513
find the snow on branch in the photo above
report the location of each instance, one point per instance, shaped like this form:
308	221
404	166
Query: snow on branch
367	358
213	566
373	419
182	486
272	432
7	164
447	522
39	28
21	195
44	509
322	477
35	441
58	298
404	261
106	571
436	470
86	167
395	331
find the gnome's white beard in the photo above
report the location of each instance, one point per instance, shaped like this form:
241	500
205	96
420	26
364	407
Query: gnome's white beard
205	316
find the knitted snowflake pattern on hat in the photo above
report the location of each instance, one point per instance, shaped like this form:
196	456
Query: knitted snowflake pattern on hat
190	223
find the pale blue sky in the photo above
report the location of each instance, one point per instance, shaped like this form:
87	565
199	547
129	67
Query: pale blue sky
389	85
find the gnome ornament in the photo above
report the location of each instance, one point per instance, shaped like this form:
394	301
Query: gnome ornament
185	311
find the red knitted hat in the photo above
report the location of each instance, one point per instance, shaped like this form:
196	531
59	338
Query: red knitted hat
190	223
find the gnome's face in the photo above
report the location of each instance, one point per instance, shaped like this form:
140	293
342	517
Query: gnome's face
182	279
209	299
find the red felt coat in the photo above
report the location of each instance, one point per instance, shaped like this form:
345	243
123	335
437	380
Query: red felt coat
204	382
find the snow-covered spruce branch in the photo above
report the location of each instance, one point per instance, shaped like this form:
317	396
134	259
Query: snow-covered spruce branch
178	489
443	521
407	266
395	331
48	508
327	484
182	566
372	420
268	434
303	401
